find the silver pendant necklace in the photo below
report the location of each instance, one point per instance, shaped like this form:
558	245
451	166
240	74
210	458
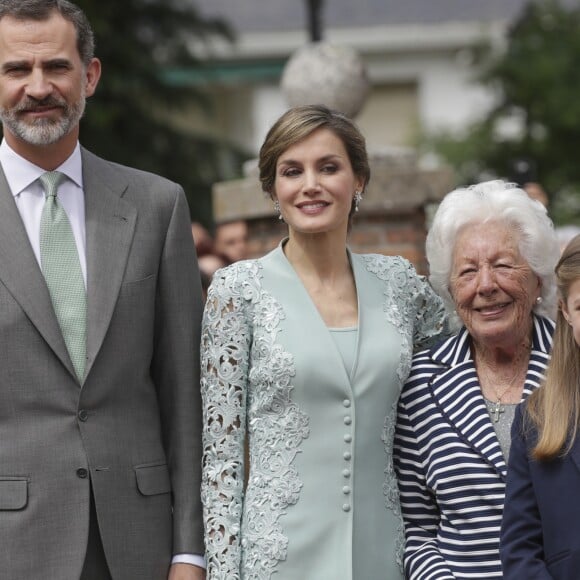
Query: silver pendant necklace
498	408
497	411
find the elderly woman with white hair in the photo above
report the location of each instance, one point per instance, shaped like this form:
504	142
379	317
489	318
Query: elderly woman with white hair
492	252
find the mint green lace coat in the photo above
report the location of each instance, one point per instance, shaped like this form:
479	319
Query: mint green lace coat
318	497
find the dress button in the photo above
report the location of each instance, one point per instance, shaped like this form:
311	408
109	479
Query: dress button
83	415
346	490
346	403
345	507
347	420
348	438
82	473
346	473
347	455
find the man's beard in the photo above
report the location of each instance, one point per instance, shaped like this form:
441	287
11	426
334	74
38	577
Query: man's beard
43	131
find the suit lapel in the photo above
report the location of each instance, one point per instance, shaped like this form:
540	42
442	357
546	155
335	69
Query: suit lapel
575	453
21	275
110	224
318	339
457	394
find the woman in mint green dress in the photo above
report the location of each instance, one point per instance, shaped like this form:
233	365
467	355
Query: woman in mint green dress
304	353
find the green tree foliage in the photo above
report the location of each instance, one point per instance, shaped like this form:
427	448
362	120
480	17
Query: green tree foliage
537	80
138	42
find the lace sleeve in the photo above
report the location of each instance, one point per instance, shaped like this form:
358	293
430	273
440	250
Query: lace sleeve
431	319
411	302
225	348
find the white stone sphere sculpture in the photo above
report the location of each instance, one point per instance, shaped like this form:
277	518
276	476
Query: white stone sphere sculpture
326	74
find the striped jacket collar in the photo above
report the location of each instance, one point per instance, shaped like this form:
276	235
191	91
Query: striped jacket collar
457	349
457	393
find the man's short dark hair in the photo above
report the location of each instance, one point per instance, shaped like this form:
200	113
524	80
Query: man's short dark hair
42	10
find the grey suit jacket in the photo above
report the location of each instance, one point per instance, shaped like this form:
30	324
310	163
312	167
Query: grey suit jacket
132	427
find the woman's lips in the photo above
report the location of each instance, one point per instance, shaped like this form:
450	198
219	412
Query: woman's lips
312	207
492	309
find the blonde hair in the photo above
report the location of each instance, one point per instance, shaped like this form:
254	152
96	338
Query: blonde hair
554	409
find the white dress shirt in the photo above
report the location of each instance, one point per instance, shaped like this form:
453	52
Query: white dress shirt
22	177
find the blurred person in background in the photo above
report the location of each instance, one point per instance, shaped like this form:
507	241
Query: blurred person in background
537	192
202	239
231	240
208	259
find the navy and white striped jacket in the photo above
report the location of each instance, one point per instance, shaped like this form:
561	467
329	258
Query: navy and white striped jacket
449	462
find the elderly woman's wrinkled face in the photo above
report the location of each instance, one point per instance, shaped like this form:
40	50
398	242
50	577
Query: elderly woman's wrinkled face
493	287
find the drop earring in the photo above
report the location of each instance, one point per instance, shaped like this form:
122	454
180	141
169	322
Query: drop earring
277	209
357	199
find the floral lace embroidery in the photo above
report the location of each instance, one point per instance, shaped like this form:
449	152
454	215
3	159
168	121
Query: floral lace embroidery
240	324
390	486
420	321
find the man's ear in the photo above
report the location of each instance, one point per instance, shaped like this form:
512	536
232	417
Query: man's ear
92	76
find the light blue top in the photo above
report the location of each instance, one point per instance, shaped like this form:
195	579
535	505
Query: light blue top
321	500
345	340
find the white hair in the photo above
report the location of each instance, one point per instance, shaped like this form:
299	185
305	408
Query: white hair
495	201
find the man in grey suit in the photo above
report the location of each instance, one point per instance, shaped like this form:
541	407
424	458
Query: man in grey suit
100	306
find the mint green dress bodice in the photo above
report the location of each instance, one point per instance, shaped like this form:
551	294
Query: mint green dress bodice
315	497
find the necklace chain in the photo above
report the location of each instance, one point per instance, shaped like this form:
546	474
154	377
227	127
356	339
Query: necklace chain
520	362
500	396
498	406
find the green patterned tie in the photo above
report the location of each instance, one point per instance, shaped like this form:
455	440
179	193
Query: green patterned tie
62	271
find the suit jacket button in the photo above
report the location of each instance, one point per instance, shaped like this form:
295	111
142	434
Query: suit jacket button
82	473
83	415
